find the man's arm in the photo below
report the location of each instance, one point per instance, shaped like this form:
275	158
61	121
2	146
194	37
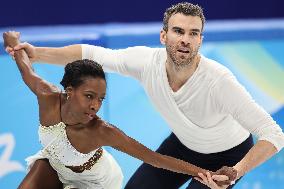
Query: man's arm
235	100
259	153
61	55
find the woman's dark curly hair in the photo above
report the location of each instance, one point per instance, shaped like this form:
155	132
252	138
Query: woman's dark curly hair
76	72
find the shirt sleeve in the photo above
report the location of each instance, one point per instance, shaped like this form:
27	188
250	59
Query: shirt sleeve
232	98
129	62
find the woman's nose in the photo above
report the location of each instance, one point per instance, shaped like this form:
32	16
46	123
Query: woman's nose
95	106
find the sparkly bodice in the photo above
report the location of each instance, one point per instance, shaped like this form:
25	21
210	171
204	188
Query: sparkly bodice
95	170
59	149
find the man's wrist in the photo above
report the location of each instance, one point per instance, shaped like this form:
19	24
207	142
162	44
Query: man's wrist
240	171
36	55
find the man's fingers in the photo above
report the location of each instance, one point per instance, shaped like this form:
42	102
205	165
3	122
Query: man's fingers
221	183
220	177
203	177
210	181
221	180
209	177
200	180
20	46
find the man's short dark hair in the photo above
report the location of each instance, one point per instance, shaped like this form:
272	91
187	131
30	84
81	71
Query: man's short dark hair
184	8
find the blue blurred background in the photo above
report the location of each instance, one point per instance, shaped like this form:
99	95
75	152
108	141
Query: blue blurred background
51	12
247	37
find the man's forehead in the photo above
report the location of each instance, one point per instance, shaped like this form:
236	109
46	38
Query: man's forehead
179	16
185	21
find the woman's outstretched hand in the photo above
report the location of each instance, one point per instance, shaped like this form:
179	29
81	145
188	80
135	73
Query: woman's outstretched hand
11	39
11	48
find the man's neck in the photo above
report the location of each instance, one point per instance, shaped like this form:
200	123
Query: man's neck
178	75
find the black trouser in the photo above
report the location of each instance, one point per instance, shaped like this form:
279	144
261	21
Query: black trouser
148	177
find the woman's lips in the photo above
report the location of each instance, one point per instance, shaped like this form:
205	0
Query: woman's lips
90	116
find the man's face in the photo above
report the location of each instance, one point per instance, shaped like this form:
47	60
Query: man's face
183	38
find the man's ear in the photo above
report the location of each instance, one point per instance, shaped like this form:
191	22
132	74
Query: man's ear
163	37
201	40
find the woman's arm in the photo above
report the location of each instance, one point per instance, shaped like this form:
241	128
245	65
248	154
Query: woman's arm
117	139
32	80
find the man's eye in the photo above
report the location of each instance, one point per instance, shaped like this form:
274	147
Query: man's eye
178	31
194	33
102	99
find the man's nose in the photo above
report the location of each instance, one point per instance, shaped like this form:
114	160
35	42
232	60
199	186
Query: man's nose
185	40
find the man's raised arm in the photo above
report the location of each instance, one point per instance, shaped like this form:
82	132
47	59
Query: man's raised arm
60	55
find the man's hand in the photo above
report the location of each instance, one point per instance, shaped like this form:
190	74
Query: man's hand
208	180
30	50
220	179
228	171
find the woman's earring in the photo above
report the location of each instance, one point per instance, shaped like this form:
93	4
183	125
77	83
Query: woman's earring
67	97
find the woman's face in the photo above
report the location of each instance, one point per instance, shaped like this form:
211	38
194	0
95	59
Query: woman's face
87	99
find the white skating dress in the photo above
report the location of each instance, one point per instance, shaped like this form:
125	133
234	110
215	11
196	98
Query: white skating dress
95	170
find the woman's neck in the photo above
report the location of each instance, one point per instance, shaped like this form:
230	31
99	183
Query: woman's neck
66	112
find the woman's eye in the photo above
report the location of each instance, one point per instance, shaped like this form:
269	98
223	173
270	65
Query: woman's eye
89	96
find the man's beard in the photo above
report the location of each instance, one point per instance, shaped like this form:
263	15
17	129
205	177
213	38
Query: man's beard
187	60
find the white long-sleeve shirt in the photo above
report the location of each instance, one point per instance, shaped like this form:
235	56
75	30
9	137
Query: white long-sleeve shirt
210	113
